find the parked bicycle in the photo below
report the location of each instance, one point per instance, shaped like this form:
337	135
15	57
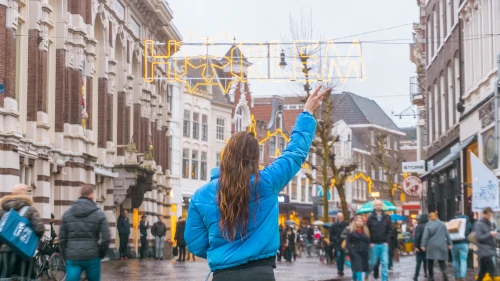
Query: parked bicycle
49	260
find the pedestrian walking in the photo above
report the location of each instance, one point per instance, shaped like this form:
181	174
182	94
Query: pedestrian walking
283	243
336	239
143	229
436	242
233	219
420	254
393	245
460	251
358	245
12	265
82	226
290	249
486	250
190	255
159	230
179	238
380	226
309	239
53	234
123	226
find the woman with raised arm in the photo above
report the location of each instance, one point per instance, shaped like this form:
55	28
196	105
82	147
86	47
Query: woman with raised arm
233	219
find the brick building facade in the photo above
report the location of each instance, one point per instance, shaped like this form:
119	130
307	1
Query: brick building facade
62	61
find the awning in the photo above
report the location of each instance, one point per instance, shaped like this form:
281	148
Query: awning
411	207
448	160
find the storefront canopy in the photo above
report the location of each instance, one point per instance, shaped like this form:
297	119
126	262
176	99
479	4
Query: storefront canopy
448	160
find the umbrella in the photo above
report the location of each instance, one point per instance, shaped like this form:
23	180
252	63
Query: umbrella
327	225
368	207
396	217
289	222
318	223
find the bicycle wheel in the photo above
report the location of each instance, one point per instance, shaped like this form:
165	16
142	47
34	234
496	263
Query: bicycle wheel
40	264
57	267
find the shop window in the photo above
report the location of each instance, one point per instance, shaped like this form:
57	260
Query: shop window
194	164
196	125
203	169
204	127
185	163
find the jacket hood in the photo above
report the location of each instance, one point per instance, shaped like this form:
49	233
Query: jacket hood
83	207
424	218
463	217
15	202
215	173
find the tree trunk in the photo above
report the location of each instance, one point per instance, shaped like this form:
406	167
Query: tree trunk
390	185
343	202
325	202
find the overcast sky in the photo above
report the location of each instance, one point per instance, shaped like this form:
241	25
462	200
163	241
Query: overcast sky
387	62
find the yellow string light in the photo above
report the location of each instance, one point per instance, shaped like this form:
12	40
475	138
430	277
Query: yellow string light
363	177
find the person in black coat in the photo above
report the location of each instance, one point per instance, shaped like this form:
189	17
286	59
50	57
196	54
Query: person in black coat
358	246
290	250
179	237
393	245
420	256
143	229
336	239
123	226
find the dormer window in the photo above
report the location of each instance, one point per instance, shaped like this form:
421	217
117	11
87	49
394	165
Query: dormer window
239	119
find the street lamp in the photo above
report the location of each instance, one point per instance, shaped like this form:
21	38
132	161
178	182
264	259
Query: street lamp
282	62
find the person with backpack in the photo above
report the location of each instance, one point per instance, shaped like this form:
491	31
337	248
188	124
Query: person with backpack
460	251
13	266
83	225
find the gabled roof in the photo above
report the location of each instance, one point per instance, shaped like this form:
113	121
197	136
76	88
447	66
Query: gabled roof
202	68
357	144
357	110
236	54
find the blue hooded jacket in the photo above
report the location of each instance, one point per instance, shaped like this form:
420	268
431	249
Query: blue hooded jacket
203	235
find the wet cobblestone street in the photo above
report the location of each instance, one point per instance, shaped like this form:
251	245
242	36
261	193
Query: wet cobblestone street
304	269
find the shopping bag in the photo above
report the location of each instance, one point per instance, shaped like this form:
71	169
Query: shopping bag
17	233
175	251
472	238
453	226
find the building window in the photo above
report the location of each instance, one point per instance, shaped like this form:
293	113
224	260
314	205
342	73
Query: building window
303	188
196	125
261	153
170	88
279	122
25	176
436	110
451	101
239	119
220	128
203	175
204	127
194	164
119	9
185	163
457	84
282	144
186	123
443	104
217	159
272	147
136	28
449	15
293	194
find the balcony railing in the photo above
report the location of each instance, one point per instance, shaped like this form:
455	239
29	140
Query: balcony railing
414	88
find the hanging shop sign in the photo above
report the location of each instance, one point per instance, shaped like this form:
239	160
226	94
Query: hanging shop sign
414	167
412	186
487	114
283	198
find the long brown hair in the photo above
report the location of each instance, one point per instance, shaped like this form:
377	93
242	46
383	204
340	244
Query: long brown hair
239	163
353	227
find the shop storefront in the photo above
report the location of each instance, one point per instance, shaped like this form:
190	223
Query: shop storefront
300	213
443	181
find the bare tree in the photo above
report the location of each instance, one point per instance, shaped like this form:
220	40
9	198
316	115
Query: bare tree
323	146
389	166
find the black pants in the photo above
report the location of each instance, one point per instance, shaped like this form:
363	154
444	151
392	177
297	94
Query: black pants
442	267
261	273
182	253
486	265
123	245
420	257
144	247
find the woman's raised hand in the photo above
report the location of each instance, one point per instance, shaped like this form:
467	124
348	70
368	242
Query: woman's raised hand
315	100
